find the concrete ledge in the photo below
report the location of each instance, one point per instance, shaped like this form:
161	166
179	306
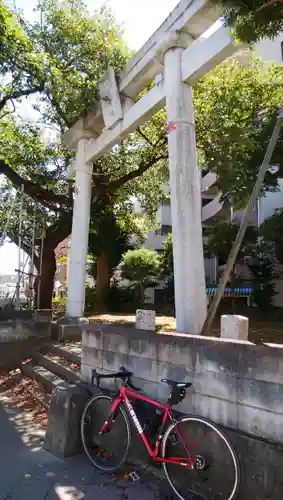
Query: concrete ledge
67	329
13	352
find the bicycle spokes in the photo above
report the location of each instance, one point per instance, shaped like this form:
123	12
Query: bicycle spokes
209	455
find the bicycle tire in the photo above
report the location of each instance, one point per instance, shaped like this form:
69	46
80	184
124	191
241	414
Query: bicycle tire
125	417
221	434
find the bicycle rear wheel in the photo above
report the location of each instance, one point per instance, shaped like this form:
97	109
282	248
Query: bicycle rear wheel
209	468
107	451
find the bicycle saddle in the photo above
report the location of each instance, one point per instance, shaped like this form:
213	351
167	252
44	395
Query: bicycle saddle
176	385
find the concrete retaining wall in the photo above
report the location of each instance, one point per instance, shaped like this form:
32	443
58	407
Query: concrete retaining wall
13	352
20	333
235	384
19	325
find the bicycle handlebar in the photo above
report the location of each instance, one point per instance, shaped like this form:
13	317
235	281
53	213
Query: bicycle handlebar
122	374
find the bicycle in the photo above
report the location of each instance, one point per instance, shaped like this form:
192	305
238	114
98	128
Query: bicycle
105	429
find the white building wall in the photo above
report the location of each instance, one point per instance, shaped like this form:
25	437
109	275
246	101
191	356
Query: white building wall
164	215
270	202
270	50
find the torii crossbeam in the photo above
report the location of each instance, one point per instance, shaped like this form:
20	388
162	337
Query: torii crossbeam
176	56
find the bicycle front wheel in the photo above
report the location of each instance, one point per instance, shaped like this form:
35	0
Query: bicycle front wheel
107	451
208	467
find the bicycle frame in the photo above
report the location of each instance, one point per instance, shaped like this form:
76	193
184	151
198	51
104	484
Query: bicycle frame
123	398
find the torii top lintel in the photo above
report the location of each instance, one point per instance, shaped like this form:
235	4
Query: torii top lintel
116	114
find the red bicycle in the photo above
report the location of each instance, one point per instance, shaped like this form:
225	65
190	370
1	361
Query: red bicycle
198	459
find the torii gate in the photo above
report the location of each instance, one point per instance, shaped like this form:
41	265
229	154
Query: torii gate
176	56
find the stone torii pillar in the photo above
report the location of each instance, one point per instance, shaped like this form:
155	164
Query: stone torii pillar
176	56
185	190
80	229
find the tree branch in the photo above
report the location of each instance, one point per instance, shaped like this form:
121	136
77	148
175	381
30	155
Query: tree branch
20	93
144	166
36	192
268	4
144	137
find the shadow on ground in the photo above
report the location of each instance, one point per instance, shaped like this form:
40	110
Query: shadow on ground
27	472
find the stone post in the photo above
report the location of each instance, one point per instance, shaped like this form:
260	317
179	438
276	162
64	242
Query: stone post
79	236
234	327
185	191
145	319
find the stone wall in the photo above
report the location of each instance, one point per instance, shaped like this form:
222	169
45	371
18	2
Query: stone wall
19	325
238	385
20	333
13	352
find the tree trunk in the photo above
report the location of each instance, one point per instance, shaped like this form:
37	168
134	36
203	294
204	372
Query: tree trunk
102	282
47	277
51	241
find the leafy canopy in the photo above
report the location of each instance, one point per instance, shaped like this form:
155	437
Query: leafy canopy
236	106
272	232
252	20
73	49
140	265
222	236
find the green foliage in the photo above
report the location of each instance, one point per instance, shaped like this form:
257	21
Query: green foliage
90	299
59	305
61	60
107	235
167	269
22	67
140	266
167	257
263	272
272	232
222	236
121	298
118	298
236	107
62	260
253	19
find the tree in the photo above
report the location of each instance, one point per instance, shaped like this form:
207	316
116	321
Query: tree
75	49
108	241
272	232
167	269
140	266
236	109
221	236
71	50
21	65
253	19
268	259
263	273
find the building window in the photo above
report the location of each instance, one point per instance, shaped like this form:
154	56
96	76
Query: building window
163	230
166	203
282	50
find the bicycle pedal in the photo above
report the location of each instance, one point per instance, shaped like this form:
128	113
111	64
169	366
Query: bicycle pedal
134	476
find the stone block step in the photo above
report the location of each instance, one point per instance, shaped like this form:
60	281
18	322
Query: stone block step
59	367
70	351
47	378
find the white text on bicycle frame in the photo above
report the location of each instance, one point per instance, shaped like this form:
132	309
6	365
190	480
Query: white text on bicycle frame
134	417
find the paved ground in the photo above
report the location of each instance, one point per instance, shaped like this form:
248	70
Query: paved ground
27	472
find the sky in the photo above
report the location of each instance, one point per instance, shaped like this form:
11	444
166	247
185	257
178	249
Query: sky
138	20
